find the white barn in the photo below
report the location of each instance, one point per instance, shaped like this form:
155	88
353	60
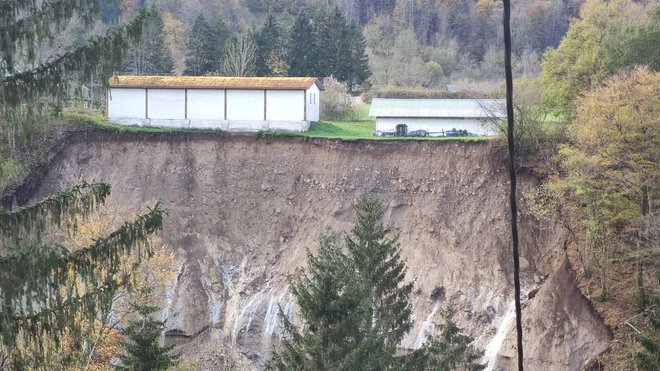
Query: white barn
227	103
437	116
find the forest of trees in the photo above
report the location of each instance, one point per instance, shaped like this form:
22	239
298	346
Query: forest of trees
422	43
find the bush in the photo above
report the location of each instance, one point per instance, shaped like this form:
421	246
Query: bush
336	100
10	172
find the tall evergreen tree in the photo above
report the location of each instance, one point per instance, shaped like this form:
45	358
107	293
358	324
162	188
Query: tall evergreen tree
354	303
375	254
48	290
356	69
30	82
302	56
343	52
333	35
333	308
151	56
203	52
142	349
269	45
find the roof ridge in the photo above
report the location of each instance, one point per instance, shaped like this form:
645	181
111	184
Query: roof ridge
217	82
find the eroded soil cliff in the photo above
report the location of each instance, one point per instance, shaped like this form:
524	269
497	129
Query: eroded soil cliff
243	210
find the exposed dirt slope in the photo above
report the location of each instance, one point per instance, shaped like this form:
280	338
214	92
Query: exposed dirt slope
243	211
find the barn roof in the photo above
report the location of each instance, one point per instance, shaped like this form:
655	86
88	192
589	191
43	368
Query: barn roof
438	108
212	82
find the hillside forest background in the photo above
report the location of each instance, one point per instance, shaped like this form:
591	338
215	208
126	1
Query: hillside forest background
400	43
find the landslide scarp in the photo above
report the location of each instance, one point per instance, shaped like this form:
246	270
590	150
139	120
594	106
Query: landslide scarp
243	210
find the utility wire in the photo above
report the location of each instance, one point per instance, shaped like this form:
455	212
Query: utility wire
512	174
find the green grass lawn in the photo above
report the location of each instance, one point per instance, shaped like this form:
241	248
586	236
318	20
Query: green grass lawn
360	127
361	130
93	119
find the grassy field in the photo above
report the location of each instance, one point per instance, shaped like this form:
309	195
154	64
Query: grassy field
356	125
93	119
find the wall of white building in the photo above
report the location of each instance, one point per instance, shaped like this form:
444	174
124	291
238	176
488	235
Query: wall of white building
313	103
436	125
245	105
206	104
205	108
126	103
166	104
285	105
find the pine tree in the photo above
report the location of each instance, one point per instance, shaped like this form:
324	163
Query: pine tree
375	254
203	49
151	56
452	349
355	307
268	42
333	36
30	82
302	55
343	53
142	349
333	307
353	302
357	65
48	290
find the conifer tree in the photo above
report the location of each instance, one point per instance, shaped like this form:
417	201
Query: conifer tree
353	302
302	56
343	52
203	50
30	82
357	69
151	56
333	308
375	255
268	42
142	349
49	290
355	308
452	349
333	36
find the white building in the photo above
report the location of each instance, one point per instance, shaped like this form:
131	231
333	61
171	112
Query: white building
227	103
437	116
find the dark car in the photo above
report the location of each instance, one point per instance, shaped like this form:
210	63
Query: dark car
418	133
456	133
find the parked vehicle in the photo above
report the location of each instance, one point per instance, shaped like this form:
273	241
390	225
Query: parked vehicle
385	133
418	133
401	130
457	133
